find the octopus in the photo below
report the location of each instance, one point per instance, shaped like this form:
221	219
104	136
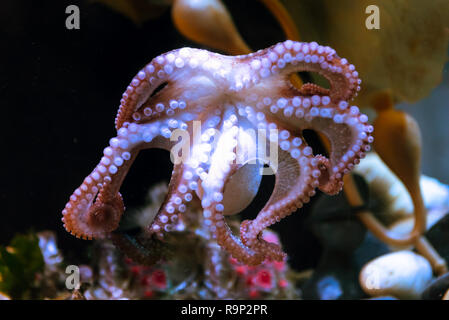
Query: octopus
226	121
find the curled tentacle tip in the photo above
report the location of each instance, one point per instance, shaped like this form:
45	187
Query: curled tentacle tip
105	216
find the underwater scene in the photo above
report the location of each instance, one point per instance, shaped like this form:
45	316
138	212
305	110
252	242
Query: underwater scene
225	150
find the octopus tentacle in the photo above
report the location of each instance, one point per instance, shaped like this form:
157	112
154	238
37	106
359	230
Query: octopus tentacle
345	152
313	107
186	175
179	194
297	176
139	90
346	128
142	86
310	89
213	216
274	65
221	169
96	207
182	72
86	219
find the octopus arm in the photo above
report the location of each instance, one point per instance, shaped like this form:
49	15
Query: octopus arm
179	194
222	168
297	175
96	207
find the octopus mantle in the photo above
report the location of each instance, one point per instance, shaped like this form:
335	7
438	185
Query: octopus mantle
218	100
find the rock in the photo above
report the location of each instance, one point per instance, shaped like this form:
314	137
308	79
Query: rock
391	201
435	194
437	288
402	274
